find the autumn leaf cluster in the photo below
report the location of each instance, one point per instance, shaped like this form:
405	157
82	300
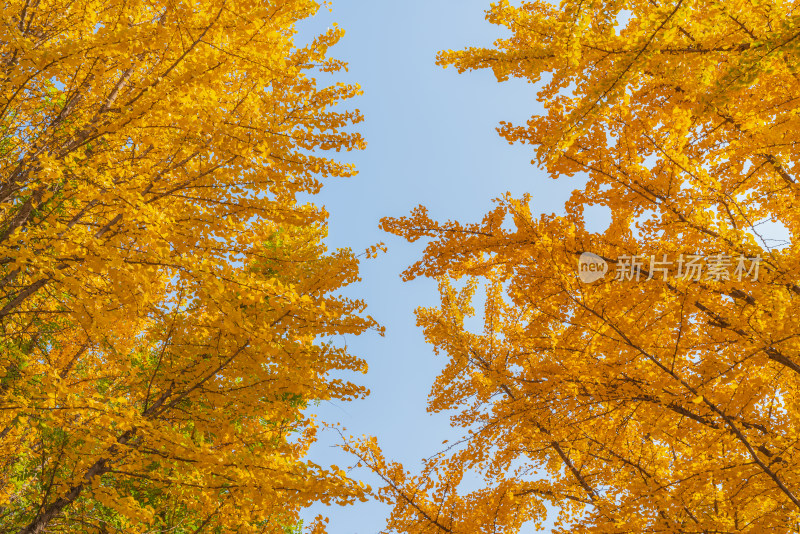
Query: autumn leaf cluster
660	405
167	302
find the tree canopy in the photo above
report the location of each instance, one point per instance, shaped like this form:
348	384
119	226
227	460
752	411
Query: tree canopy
648	400
167	302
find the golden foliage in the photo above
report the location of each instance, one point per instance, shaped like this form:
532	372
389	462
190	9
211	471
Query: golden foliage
657	405
167	304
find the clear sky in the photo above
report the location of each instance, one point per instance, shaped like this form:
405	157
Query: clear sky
432	141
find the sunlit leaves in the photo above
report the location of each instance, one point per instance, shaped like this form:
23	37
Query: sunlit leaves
167	303
629	405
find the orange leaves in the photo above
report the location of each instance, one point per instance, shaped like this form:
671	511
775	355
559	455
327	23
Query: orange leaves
154	258
652	404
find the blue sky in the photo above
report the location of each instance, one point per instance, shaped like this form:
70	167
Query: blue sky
432	141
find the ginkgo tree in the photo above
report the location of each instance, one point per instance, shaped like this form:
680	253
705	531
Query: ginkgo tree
656	398
167	301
